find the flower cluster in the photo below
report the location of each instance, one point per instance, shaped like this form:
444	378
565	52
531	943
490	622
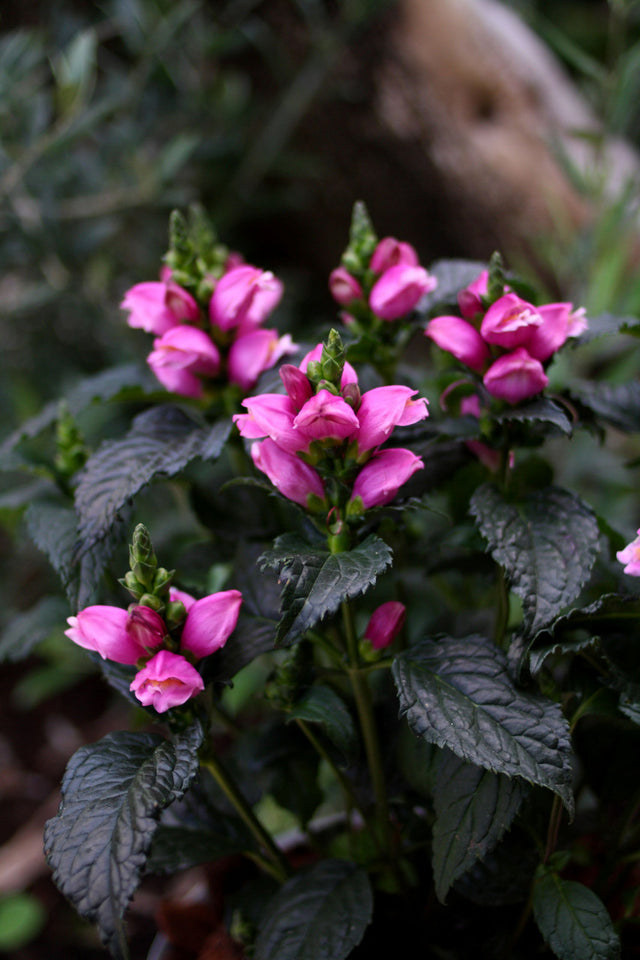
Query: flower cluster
220	337
390	284
320	441
507	341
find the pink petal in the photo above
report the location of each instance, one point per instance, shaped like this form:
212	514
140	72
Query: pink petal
166	681
210	622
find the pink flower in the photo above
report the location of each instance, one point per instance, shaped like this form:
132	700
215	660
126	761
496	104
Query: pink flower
344	288
210	622
559	322
113	633
399	290
326	417
296	383
383	475
271	415
180	356
167	680
255	352
510	322
470	299
631	557
244	297
385	624
515	376
158	306
392	253
294	479
384	408
182	597
459	338
146	627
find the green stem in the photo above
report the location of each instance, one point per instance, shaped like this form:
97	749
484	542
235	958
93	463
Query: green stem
276	862
554	828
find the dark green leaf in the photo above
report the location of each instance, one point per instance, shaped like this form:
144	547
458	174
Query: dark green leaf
459	694
316	581
542	411
179	847
573	920
161	442
453	276
474	808
112	795
540	654
320	914
322	705
26	630
547	544
616	404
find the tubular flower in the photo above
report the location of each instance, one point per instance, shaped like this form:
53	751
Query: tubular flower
399	290
385	624
244	297
104	629
515	377
294	479
158	306
559	322
630	556
326	417
255	352
510	322
384	408
271	415
167	680
181	356
459	338
392	253
344	288
470	299
383	475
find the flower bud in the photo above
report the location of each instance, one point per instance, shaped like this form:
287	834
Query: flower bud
391	252
385	624
459	338
162	580
351	395
399	290
344	287
142	559
333	357
516	376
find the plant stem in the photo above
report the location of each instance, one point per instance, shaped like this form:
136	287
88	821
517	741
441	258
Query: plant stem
554	828
276	863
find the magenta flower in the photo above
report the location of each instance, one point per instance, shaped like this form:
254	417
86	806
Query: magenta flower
294	479
181	356
385	624
166	681
510	322
459	338
326	417
470	299
559	322
399	290
383	475
344	288
244	297
182	597
392	253
630	556
271	415
384	408
210	622
296	383
255	352
115	633
515	377
158	306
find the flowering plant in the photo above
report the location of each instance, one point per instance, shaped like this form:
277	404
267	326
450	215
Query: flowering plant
435	637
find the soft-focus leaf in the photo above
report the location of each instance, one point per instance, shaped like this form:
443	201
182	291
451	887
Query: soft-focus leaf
316	581
320	914
547	544
452	276
161	442
573	920
459	694
321	705
26	630
541	411
617	404
474	808
113	793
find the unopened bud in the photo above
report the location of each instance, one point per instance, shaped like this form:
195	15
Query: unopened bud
333	357
142	559
314	371
149	600
174	613
351	395
133	585
162	580
496	281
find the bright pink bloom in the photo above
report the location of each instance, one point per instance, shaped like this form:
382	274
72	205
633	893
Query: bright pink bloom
326	417
271	415
296	383
181	596
255	352
349	375
244	297
384	408
399	290
515	376
459	338
383	475
392	253
344	288
210	622
294	479
510	322
167	680
146	627
469	299
104	629
631	557
560	321
158	306
385	624
182	355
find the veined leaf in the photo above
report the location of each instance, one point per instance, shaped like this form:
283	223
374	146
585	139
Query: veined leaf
573	920
542	410
26	630
616	404
321	705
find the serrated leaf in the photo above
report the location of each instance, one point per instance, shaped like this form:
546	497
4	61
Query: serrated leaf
320	914
113	793
474	808
316	581
540	654
161	442
541	411
459	694
547	544
26	630
573	921
616	404
176	848
321	705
